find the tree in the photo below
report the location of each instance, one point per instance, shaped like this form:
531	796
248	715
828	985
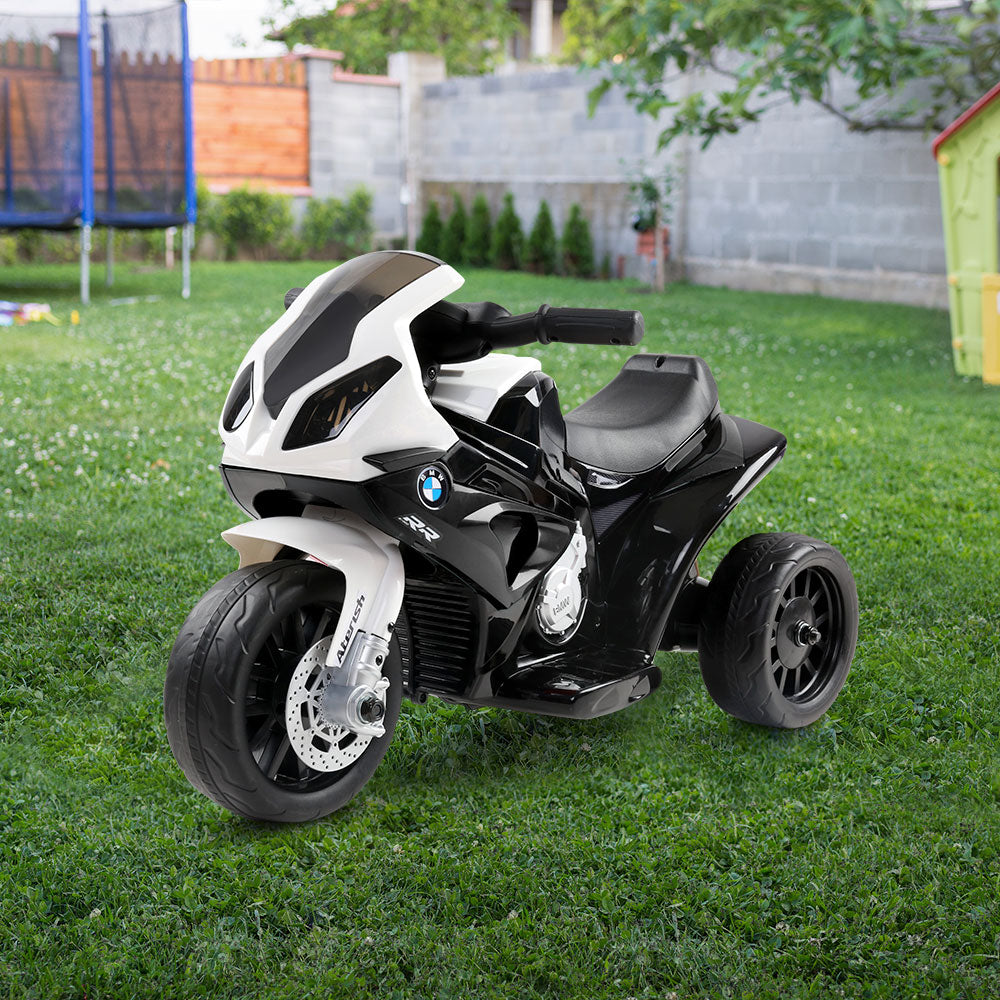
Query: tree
468	35
508	237
578	245
911	65
479	236
431	238
542	252
453	246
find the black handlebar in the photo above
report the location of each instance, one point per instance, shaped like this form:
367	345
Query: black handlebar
571	326
451	332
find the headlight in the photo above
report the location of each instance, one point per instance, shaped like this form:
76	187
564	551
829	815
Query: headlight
327	412
240	399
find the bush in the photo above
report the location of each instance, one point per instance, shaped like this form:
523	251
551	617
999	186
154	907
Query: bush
453	247
253	222
577	245
332	228
431	238
605	271
543	250
479	233
508	238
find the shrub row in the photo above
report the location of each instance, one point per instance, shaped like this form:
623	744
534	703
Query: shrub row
259	224
37	246
245	223
475	240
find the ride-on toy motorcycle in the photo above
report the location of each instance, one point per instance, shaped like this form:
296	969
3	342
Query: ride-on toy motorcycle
426	521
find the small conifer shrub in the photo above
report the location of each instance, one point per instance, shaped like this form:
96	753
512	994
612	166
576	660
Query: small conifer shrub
577	245
453	248
543	250
431	238
479	233
508	237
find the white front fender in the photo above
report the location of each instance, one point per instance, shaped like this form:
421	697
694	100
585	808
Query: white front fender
368	559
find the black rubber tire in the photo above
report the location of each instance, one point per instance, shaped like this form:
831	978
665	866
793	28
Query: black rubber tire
737	639
207	682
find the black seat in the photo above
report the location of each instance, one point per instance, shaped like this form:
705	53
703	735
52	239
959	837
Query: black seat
645	413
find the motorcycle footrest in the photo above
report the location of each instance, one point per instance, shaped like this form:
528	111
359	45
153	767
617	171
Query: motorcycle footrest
577	687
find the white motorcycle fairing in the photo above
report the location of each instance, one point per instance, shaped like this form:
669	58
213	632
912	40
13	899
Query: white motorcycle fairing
398	415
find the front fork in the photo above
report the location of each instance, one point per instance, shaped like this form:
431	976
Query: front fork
350	690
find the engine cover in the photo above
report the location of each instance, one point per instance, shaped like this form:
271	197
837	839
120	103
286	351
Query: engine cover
561	598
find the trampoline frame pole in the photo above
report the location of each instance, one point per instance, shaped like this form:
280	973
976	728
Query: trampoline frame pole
86	148
85	233
109	146
187	240
190	200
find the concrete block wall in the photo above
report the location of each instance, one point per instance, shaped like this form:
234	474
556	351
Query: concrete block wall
529	133
794	203
797	201
355	138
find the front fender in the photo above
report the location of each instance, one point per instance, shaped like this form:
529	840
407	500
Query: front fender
368	560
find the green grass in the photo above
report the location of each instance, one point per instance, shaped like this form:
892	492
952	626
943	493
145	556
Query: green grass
666	850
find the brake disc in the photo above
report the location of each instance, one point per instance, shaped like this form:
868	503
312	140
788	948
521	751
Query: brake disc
320	745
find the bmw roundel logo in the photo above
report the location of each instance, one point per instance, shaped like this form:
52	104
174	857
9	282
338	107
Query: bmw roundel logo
433	486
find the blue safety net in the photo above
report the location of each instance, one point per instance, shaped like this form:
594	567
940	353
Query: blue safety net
97	132
41	134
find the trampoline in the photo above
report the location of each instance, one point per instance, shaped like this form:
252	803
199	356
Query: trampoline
96	123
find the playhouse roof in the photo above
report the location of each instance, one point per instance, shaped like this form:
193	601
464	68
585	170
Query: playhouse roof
965	117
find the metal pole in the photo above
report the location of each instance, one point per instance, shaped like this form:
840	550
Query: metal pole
86	149
85	232
109	272
187	239
190	201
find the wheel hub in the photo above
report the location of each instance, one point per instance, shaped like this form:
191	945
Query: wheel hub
804	634
797	632
323	745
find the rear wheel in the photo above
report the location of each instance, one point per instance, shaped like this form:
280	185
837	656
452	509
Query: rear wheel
226	687
779	630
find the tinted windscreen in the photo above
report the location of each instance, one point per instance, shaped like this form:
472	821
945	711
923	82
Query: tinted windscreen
321	337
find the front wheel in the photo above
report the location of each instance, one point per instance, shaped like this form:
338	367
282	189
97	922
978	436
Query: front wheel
228	678
779	630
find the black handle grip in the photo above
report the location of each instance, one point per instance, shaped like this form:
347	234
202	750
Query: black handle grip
571	326
591	326
512	331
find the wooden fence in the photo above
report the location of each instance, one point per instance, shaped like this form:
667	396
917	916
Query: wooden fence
251	120
251	123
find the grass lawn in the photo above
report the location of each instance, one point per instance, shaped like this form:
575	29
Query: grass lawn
666	851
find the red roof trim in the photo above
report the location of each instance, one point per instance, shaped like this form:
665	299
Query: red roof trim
965	117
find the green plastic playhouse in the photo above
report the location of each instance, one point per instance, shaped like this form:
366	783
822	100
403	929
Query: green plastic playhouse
968	154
